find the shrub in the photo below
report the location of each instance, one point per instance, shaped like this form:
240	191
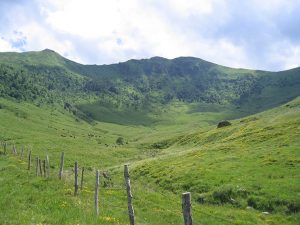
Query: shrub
162	145
120	141
224	124
261	203
223	194
201	198
294	207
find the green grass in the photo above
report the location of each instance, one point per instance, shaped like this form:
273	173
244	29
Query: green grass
27	199
255	162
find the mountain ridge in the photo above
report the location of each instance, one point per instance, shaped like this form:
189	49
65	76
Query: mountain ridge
50	51
144	85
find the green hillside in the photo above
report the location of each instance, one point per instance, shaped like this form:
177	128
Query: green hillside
144	86
161	117
253	162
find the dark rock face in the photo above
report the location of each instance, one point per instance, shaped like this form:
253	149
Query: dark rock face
224	124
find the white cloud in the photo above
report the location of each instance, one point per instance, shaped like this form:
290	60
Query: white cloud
229	32
186	7
130	22
5	46
285	54
89	19
39	37
272	6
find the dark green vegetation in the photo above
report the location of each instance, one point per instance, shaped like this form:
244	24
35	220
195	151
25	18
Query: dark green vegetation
163	116
141	86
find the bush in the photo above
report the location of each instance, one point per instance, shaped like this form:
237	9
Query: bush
224	124
294	207
223	195
261	203
120	141
229	194
162	145
201	198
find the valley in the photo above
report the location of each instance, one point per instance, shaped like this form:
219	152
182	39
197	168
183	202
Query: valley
166	113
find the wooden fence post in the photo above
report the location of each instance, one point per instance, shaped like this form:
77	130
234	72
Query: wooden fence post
48	166
5	146
22	152
97	193
76	178
187	208
14	150
40	166
61	165
37	166
29	160
81	181
129	195
44	167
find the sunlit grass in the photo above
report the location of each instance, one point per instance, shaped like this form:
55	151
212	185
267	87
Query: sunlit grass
254	161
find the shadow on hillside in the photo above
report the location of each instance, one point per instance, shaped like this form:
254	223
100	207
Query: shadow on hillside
98	112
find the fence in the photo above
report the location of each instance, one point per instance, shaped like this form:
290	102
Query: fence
42	168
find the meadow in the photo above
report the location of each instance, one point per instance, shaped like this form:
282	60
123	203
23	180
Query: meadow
234	173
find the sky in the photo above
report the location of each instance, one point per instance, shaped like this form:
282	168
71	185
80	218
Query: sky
252	34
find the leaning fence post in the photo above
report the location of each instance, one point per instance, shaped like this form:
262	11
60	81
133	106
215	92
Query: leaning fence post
5	146
29	160
81	181
44	167
48	166
97	193
37	166
14	150
61	165
40	165
129	195
187	208
76	178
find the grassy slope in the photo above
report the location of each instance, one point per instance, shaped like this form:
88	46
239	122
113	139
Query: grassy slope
26	199
52	130
259	155
255	161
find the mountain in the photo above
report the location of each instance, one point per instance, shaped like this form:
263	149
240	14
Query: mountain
144	85
160	116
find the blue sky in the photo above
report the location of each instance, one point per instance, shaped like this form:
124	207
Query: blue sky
250	34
